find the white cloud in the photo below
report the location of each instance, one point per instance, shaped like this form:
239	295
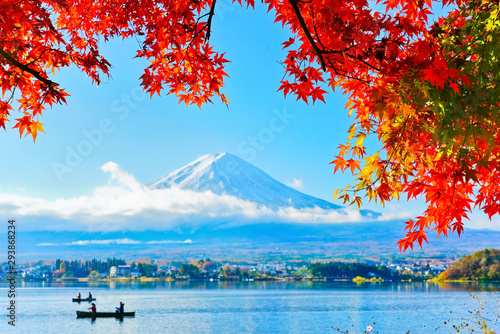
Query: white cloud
317	215
125	204
401	210
123	241
296	184
159	242
479	220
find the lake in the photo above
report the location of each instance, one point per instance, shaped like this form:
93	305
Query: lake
250	307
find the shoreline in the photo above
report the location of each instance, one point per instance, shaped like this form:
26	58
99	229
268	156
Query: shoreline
267	279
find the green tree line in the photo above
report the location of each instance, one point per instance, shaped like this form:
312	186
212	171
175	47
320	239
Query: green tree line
82	268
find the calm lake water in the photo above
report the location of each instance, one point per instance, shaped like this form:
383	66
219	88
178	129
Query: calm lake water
253	307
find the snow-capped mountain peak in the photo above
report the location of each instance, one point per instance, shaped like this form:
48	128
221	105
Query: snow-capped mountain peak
226	173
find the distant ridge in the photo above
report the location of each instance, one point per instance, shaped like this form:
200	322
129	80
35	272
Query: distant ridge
273	241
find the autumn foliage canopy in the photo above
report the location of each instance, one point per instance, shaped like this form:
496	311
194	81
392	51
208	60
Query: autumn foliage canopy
428	89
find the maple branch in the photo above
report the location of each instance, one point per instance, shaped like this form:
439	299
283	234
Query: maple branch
87	13
208	25
344	73
12	5
364	62
41	54
315	47
316	33
316	50
337	51
25	68
209	21
14	90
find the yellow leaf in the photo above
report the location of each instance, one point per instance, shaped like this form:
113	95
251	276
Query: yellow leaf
352	131
361	137
358	202
35	127
396	194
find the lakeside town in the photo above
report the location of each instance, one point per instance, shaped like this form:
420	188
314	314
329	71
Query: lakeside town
213	270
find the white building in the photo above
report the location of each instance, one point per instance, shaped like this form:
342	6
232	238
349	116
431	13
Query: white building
119	271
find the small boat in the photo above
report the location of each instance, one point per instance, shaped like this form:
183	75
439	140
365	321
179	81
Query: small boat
85	314
83	299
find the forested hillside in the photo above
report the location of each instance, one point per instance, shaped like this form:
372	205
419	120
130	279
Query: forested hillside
481	265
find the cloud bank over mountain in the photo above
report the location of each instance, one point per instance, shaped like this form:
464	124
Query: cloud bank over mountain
122	241
196	194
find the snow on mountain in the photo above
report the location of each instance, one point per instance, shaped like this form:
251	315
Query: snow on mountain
228	174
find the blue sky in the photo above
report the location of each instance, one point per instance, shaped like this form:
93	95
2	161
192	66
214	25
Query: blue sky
148	138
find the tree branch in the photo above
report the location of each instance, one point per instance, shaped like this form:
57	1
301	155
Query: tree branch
316	50
209	21
208	25
364	62
315	47
25	68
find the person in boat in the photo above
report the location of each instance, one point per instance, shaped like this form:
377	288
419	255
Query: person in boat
79	296
93	309
121	308
90	295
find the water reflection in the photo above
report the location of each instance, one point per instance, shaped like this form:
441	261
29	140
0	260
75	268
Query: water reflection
251	307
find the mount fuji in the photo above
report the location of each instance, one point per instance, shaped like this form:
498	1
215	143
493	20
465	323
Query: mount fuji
235	237
227	174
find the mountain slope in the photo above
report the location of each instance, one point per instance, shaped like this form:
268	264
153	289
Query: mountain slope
228	174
